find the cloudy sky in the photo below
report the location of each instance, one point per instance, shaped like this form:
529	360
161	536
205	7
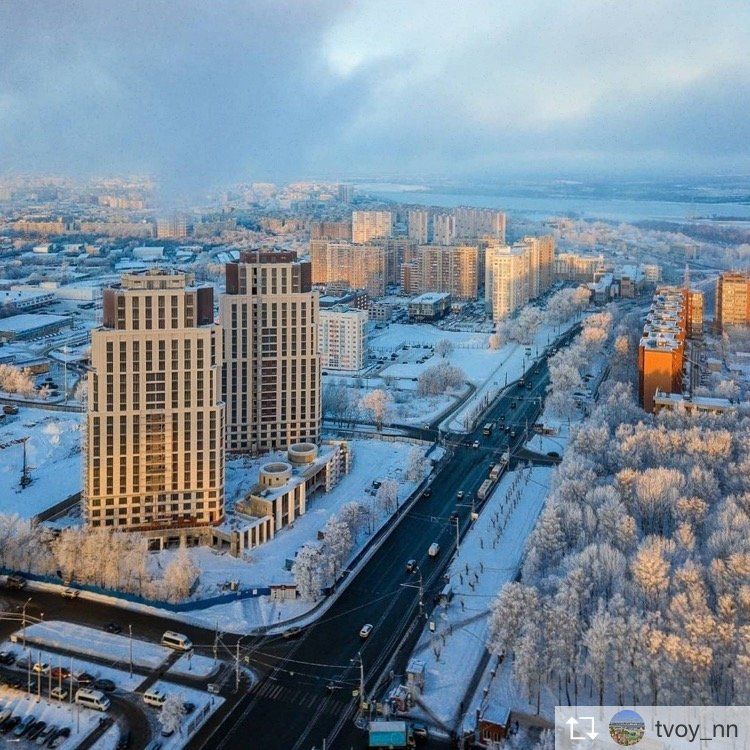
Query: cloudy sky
201	93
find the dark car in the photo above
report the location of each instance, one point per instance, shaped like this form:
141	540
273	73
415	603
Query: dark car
427	492
411	566
59	673
419	732
59	737
7	657
293	632
84	678
106	686
454	517
10	724
124	741
113	627
36	730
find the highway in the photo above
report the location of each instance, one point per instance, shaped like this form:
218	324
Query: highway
305	694
293	707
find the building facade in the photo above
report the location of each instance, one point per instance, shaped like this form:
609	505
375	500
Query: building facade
443	229
506	279
370	225
371	266
732	300
341	338
419	226
443	268
154	450
271	377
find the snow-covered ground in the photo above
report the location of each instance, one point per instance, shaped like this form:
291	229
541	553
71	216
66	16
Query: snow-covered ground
111	647
53	453
491	554
267	564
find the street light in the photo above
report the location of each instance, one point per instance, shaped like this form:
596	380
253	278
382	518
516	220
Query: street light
24	621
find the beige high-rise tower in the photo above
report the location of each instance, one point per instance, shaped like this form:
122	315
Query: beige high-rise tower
155	421
271	380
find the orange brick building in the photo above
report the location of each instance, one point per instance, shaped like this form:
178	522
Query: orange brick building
676	315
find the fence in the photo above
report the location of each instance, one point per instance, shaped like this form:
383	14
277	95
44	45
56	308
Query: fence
191	606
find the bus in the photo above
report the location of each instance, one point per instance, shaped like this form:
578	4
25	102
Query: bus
487	429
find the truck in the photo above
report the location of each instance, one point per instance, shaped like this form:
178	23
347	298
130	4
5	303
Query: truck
485	488
497	470
487	429
390	734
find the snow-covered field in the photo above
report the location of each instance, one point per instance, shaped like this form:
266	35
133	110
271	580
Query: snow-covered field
111	647
491	554
53	453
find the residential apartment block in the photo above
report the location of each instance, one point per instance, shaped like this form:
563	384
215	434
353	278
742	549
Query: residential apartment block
341	338
664	352
154	449
443	229
371	267
419	226
370	225
732	300
271	378
442	268
572	267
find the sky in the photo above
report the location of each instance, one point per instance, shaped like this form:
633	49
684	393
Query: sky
203	93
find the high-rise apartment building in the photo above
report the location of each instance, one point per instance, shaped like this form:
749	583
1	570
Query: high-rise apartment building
154	451
341	338
664	361
572	267
506	282
271	378
346	193
370	225
331	230
419	226
732	300
371	266
443	268
473	223
443	229
172	227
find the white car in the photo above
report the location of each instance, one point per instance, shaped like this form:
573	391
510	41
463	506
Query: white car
365	631
58	693
475	444
154	697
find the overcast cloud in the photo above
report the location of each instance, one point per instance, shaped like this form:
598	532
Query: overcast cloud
201	93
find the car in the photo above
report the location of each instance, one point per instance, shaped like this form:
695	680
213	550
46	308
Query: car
70	593
454	517
24	726
105	685
84	678
15	582
60	673
59	738
5	714
427	492
475	444
41	667
553	454
113	627
167	732
7	658
460	494
10	724
411	566
294	632
125	739
419	732
513	404
529	387
365	630
36	730
189	707
58	693
154	697
48	733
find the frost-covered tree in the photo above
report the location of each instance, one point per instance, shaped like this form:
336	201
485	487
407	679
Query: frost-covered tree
172	713
417	465
444	347
387	495
180	576
440	378
337	545
379	404
16	380
309	571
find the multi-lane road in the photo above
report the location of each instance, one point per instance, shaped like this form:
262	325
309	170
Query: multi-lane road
306	694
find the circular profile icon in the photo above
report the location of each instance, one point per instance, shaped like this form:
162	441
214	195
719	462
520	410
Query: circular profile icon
627	727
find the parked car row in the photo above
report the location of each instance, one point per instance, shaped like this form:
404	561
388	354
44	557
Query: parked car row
31	729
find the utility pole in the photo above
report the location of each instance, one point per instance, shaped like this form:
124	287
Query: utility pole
130	634
458	540
23	611
237	668
421	593
216	642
